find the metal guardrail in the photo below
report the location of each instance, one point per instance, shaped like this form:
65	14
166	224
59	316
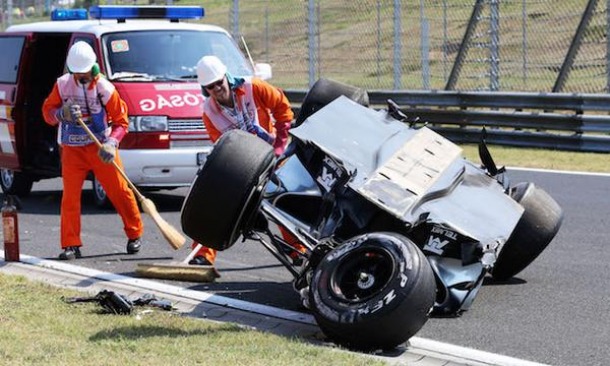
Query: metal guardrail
560	121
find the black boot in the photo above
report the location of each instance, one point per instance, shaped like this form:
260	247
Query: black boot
70	253
133	246
200	261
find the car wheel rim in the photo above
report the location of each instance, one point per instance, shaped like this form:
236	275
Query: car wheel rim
8	177
362	274
99	190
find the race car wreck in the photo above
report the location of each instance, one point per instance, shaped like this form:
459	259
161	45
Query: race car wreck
398	226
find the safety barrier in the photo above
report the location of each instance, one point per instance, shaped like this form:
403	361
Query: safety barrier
560	121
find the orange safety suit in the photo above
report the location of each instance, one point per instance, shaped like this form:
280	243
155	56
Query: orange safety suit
271	105
106	114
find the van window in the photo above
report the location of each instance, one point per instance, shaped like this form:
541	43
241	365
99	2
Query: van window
9	58
168	54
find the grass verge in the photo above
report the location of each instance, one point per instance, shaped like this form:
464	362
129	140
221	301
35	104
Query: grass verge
39	328
543	159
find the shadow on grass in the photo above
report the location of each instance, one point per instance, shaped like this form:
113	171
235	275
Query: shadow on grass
146	331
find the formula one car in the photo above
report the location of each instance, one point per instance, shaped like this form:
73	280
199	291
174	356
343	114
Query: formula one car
397	225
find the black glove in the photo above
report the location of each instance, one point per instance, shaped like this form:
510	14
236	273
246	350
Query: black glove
109	300
114	303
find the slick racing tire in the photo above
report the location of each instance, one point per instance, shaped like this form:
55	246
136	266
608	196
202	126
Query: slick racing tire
325	91
15	183
534	231
372	292
227	190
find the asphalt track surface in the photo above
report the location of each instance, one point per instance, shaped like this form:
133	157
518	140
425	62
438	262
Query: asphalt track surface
554	312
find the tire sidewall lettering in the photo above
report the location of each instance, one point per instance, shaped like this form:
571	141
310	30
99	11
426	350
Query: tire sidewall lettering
353	312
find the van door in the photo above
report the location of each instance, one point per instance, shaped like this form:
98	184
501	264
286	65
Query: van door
12	62
30	63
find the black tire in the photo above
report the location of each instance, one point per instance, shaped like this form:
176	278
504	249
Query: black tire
99	195
373	292
539	224
325	91
15	183
227	190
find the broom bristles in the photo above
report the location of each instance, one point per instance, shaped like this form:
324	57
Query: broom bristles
173	237
178	272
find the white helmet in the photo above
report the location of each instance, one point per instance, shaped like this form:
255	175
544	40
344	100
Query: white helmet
210	69
81	57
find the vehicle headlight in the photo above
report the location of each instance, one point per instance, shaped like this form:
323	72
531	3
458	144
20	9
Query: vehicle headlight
148	123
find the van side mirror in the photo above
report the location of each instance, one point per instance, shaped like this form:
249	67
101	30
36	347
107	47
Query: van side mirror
263	71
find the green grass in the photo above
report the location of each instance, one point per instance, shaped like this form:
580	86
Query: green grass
39	328
543	159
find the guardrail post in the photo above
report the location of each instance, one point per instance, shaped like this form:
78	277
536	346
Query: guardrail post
235	19
425	47
459	59
494	51
397	45
311	37
568	61
607	46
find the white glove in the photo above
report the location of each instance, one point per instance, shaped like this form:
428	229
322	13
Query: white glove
69	113
108	150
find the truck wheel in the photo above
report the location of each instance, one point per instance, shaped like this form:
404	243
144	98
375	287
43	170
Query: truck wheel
372	292
325	91
227	190
534	231
99	195
15	183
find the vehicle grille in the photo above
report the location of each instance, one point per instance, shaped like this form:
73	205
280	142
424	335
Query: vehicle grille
178	125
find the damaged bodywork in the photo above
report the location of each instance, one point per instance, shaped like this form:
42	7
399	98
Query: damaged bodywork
395	223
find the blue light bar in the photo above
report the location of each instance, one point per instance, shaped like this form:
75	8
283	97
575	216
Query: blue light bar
145	12
69	14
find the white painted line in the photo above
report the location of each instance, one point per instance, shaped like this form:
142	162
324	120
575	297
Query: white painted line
558	171
469	353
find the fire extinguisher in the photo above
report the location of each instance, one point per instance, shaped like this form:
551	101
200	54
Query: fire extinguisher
10	230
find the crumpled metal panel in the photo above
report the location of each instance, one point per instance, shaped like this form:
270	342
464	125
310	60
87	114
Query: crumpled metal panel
361	138
411	173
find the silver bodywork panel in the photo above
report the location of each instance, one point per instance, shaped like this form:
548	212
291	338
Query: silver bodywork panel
414	174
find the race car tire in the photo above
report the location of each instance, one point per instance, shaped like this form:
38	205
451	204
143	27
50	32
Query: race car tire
372	292
227	190
325	91
538	225
15	183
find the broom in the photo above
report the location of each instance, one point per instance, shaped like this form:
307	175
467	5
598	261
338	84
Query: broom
179	271
173	236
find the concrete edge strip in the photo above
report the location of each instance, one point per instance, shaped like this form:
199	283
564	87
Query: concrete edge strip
171	290
414	342
469	353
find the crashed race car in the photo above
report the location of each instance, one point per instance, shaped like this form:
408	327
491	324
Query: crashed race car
397	225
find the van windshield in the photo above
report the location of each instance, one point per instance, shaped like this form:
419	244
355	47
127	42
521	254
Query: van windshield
168	55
